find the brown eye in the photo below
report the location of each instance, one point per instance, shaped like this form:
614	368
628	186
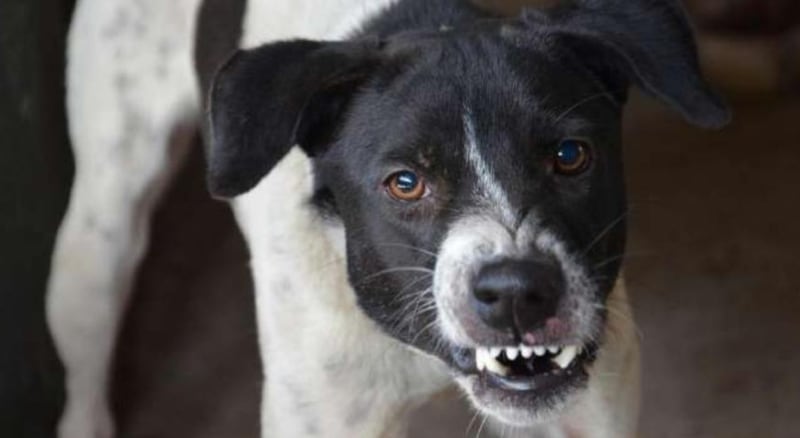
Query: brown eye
572	157
406	186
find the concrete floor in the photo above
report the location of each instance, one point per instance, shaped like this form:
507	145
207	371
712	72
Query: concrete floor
712	271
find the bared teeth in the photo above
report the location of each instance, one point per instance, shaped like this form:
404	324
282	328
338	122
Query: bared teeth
480	363
488	358
567	355
512	353
526	351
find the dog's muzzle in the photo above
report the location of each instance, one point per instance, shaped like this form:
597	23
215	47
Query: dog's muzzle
519	317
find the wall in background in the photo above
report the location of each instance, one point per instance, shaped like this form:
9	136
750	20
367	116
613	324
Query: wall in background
35	175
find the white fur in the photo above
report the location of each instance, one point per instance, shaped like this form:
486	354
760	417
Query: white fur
470	242
329	370
609	407
323	345
270	20
479	238
130	84
490	188
302	292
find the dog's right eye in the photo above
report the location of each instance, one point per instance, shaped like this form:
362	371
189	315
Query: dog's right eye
406	186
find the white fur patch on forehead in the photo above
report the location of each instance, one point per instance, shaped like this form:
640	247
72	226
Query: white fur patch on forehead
488	186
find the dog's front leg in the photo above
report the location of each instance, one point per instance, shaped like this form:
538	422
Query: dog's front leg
329	370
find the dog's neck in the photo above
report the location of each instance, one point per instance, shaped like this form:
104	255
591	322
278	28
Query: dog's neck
329	368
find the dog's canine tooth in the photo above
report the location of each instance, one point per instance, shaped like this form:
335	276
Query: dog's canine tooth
495	351
567	355
512	353
480	361
526	352
493	366
553	349
539	351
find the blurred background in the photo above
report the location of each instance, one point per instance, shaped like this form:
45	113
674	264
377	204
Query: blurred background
712	267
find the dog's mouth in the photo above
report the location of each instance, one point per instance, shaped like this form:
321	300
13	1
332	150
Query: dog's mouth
526	377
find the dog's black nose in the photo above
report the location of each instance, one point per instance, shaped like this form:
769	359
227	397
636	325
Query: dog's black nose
517	294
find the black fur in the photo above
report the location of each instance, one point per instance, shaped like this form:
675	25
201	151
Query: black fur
622	42
268	99
394	97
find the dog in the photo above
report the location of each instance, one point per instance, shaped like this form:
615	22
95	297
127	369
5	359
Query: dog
431	193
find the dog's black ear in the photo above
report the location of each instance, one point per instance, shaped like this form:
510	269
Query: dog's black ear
265	101
649	43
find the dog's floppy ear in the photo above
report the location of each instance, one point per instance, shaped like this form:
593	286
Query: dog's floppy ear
266	100
649	43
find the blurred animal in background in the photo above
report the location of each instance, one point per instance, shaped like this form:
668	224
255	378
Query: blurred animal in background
750	48
432	194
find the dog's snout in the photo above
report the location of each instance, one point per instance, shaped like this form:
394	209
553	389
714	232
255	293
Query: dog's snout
517	294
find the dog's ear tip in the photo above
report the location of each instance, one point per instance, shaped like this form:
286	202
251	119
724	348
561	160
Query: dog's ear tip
714	115
219	190
224	192
225	185
721	120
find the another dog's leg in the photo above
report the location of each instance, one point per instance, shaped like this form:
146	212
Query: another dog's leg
130	84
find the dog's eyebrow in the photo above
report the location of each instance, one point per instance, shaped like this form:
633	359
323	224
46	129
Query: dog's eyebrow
488	185
583	101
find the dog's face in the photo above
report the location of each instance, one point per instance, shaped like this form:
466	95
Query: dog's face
480	188
477	175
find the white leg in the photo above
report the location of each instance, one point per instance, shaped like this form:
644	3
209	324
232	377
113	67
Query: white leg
130	86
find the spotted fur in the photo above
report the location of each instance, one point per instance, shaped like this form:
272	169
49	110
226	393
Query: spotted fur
344	355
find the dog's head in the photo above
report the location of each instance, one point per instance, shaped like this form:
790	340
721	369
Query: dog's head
477	174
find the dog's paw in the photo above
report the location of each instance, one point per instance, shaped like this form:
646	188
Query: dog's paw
86	420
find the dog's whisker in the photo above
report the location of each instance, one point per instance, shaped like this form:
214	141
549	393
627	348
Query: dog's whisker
623	317
413	282
417	269
483	423
422	331
472	422
608	261
411	247
417	305
403	297
625	256
605	231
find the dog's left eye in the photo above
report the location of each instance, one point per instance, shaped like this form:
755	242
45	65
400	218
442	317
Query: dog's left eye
406	186
572	157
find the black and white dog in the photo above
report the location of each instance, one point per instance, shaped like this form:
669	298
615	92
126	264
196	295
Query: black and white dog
430	194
